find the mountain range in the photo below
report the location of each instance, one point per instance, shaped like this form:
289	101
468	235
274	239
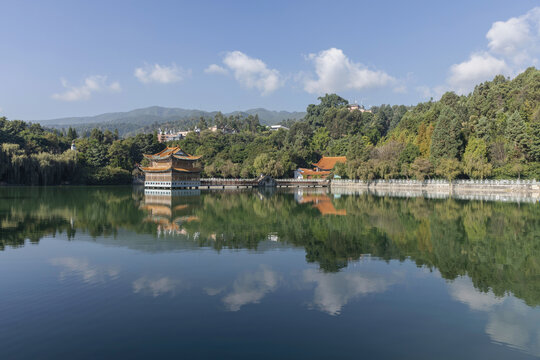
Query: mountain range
147	119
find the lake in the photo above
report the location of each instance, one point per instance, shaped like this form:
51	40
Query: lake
107	273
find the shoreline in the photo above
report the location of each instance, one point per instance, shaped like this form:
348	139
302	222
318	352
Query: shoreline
528	190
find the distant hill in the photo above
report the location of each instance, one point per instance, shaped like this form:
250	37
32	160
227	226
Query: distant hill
140	120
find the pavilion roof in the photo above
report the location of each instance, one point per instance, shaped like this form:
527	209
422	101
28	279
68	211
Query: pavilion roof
175	151
170	168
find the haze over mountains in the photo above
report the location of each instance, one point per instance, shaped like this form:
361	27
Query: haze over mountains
146	119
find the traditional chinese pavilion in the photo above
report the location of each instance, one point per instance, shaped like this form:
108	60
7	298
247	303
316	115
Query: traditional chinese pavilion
172	168
321	169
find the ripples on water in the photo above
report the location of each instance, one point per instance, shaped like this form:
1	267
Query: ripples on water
112	272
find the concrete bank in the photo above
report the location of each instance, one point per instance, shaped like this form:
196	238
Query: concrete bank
467	189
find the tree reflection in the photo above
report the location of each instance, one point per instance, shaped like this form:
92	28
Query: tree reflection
495	244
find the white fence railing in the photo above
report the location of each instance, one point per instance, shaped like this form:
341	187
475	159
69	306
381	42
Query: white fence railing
438	181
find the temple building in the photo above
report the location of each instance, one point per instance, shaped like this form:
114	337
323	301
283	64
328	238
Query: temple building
321	169
172	168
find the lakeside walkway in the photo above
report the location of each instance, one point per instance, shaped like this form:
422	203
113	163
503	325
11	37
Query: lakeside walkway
264	181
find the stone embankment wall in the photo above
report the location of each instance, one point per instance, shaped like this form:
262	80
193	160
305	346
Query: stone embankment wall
459	188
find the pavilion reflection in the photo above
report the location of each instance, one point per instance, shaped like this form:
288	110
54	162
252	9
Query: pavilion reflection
170	209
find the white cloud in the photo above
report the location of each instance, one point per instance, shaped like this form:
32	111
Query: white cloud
478	68
251	73
162	74
216	69
157	286
250	288
516	38
92	84
512	46
82	268
333	291
336	72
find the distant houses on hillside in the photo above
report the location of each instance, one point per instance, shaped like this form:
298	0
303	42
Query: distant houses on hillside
356	107
172	135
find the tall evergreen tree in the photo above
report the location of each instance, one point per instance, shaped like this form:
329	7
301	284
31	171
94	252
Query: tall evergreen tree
535	139
446	139
72	134
516	133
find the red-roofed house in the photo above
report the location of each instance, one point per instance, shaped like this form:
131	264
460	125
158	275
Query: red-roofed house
321	169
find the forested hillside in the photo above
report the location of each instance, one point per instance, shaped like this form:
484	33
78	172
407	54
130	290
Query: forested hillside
494	132
149	119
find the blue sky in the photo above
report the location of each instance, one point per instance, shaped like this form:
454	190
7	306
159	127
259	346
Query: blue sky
76	58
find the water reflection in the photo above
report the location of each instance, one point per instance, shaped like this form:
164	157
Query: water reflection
335	290
169	210
250	288
488	251
510	320
79	267
320	201
157	286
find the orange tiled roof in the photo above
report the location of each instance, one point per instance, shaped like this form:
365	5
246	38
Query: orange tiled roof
310	172
328	162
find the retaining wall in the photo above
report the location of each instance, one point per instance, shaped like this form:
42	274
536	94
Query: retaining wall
529	188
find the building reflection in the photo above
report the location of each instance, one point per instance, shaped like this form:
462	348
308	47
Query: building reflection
320	201
170	209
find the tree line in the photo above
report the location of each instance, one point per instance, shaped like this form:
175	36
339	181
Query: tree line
32	155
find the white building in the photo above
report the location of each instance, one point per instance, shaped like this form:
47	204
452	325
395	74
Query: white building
277	127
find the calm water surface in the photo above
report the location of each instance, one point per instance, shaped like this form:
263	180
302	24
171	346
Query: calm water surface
107	273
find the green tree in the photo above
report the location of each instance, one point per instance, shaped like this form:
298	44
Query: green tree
119	155
97	154
421	168
475	163
449	168
71	134
516	133
320	140
446	139
535	139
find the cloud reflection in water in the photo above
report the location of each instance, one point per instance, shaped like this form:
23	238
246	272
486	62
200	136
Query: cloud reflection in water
157	286
510	320
335	290
81	267
250	288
